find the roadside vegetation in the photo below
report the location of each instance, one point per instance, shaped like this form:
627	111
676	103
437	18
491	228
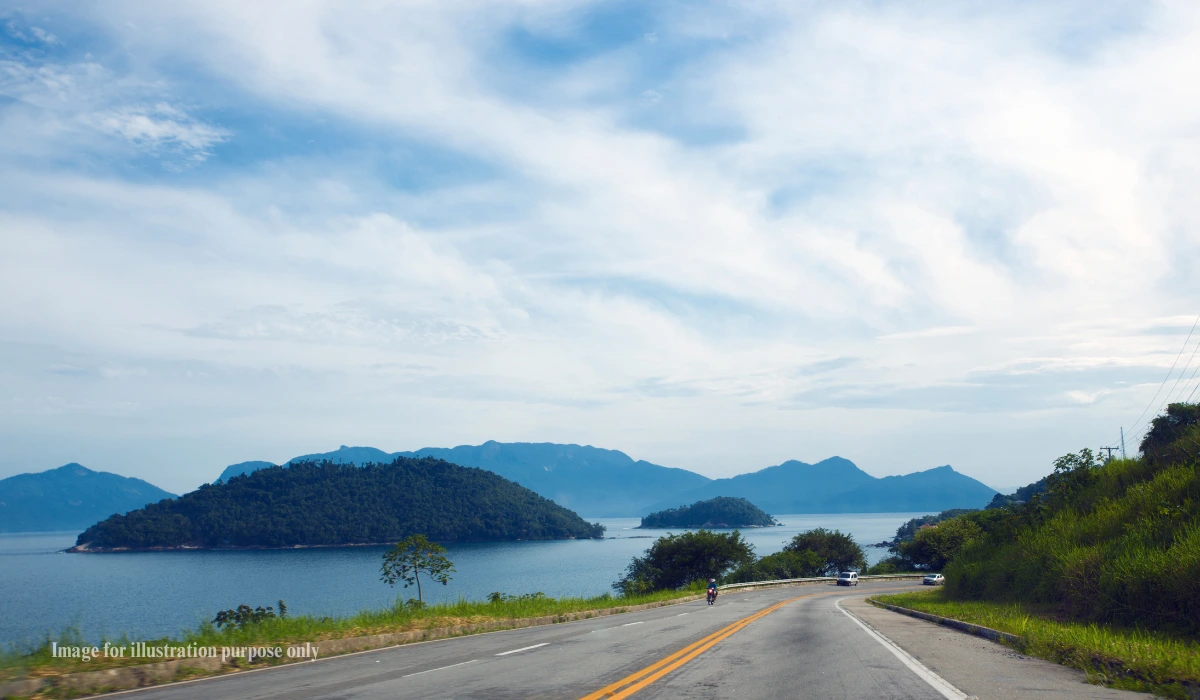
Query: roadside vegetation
679	561
1097	565
36	660
1125	657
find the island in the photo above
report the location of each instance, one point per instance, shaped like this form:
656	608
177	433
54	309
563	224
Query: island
313	504
719	512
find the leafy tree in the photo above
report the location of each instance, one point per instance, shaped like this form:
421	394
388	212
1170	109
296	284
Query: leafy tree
1173	435
909	529
934	547
409	558
835	551
675	561
244	616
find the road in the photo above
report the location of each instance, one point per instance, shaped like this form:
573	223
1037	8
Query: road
775	643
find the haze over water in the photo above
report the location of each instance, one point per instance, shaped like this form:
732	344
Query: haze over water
152	594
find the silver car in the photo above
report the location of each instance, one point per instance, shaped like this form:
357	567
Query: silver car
934	580
848	578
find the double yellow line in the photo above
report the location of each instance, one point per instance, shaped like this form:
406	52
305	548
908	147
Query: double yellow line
634	682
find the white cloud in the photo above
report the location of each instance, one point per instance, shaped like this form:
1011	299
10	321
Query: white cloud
981	222
161	127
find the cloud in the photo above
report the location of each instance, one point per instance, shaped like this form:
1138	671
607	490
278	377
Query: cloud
158	128
943	225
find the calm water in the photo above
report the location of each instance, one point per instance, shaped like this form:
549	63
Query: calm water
151	594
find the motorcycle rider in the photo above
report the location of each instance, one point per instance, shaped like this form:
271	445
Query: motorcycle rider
712	590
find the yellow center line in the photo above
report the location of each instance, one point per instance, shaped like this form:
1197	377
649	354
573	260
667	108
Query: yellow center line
636	681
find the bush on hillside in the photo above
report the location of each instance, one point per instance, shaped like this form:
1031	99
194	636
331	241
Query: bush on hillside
933	547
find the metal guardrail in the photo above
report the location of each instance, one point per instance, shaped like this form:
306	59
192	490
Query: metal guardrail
818	579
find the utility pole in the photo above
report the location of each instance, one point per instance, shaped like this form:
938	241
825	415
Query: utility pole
1110	451
1123	443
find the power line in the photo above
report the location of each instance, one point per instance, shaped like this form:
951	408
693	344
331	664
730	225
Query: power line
1184	371
1169	373
1189	381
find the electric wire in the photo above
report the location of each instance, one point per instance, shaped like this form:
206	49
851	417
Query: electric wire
1171	371
1184	371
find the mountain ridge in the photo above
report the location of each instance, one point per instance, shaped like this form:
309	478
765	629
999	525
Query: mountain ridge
610	483
70	497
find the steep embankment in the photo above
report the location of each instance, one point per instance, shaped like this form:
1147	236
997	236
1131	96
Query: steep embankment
311	504
69	498
1117	543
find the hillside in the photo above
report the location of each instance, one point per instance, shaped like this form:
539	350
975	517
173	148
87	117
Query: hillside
247	467
720	512
311	504
836	485
70	497
586	479
1112	543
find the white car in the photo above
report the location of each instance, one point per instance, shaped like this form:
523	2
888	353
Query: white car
848	578
934	580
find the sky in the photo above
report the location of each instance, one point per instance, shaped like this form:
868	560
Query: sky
712	235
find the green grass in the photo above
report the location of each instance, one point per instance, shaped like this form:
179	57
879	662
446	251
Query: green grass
1134	659
37	661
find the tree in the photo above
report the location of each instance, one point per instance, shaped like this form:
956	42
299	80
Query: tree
780	565
675	561
1167	431
934	547
409	558
835	551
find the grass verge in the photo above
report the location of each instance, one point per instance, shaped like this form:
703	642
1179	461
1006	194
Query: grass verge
1127	658
35	661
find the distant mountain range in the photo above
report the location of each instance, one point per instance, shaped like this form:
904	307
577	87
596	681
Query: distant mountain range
71	497
591	481
837	485
597	482
588	480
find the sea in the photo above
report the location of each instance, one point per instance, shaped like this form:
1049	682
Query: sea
45	591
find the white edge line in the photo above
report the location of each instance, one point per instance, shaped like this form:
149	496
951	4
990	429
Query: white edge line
535	646
681	614
937	682
630	624
440	668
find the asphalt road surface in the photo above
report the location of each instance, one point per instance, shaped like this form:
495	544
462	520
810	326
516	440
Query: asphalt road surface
795	642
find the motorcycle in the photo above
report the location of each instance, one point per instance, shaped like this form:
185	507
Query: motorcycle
712	596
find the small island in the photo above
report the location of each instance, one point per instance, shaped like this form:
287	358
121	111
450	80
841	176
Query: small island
328	504
719	512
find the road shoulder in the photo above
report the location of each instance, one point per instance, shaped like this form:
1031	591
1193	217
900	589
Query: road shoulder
979	667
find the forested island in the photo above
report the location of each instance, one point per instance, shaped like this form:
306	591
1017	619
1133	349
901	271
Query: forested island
329	504
719	512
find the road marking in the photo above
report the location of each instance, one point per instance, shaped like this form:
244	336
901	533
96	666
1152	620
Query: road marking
440	668
630	624
514	651
637	681
939	684
681	614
